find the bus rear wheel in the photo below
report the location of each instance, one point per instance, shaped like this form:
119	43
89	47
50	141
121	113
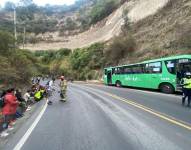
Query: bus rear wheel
166	88
118	84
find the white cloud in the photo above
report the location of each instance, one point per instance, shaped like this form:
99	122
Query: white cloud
43	2
54	2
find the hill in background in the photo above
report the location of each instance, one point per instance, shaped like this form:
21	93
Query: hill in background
99	33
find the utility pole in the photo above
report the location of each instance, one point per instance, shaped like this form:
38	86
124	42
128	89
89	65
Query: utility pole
24	36
15	26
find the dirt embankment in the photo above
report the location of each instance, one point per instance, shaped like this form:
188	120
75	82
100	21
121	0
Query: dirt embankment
106	29
157	34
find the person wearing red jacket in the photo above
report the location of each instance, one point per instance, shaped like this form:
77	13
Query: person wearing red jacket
10	107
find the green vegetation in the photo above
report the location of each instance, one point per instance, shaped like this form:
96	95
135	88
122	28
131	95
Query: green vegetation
87	63
82	64
102	9
120	47
17	66
41	26
68	25
46	19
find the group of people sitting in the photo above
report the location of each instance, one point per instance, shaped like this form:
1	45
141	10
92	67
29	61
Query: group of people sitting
13	104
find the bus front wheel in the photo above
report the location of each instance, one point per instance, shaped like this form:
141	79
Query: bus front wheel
118	84
166	88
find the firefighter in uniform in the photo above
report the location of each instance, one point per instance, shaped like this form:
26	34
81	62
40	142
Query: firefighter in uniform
63	87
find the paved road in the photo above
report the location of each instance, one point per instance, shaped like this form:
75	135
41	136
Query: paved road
98	117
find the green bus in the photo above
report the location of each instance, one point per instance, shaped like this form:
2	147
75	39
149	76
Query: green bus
163	74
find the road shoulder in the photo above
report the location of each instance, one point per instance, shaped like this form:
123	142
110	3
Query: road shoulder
21	126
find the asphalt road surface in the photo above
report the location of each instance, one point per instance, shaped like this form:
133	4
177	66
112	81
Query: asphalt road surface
98	117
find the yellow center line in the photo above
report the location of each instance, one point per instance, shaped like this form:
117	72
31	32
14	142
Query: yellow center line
151	111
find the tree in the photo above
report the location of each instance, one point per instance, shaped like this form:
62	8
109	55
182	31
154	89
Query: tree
70	24
120	47
26	13
102	9
126	28
25	3
7	42
9	6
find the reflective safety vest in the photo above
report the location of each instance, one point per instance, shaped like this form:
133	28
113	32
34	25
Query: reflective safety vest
187	83
38	95
63	85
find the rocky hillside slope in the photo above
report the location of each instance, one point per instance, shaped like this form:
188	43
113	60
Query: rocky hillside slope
105	29
166	32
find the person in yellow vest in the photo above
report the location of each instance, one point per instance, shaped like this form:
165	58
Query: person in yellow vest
187	88
39	95
63	88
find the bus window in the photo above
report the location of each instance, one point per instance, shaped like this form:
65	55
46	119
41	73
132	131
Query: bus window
105	72
137	69
114	70
127	70
154	67
118	70
171	66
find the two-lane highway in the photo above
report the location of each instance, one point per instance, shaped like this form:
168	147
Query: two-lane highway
97	117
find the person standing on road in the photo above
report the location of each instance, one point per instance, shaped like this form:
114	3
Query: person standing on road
63	87
184	90
187	88
50	89
9	109
50	86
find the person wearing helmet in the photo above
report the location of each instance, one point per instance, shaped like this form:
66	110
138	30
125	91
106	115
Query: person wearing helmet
186	82
63	87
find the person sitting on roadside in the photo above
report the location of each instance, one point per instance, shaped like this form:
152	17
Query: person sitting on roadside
28	99
39	94
22	105
2	98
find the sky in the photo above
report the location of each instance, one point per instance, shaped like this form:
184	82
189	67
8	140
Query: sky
43	2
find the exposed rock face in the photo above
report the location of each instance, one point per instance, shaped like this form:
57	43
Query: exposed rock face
139	12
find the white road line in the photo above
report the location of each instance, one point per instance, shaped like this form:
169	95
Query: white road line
29	131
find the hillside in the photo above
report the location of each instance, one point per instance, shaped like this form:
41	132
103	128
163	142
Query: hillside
131	31
105	29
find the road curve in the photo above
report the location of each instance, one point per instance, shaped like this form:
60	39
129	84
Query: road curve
94	118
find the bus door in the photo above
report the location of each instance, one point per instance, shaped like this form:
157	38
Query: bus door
109	77
183	66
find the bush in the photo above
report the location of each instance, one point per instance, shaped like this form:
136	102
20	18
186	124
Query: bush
64	52
17	66
69	25
84	61
6	25
41	26
7	43
120	48
102	9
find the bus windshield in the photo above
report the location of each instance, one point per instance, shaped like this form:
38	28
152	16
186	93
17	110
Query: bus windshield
178	66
